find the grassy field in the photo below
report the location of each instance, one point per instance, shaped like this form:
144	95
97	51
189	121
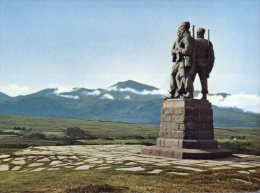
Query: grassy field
240	140
94	181
96	128
54	131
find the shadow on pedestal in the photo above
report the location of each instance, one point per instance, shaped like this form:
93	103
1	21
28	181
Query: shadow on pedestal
186	131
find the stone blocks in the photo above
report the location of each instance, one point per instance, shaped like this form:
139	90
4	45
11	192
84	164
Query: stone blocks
186	131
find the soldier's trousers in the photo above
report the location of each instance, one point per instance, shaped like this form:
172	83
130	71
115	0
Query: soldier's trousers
177	83
173	82
203	75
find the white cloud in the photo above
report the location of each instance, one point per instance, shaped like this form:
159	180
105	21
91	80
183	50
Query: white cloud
69	96
123	90
246	102
112	88
15	89
94	93
144	92
155	92
107	96
127	97
61	89
128	90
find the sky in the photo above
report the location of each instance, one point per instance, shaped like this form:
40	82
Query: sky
95	44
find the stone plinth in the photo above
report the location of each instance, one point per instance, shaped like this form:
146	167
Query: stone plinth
186	131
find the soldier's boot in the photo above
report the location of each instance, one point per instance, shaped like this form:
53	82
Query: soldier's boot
204	90
204	97
189	87
168	97
180	96
189	95
171	96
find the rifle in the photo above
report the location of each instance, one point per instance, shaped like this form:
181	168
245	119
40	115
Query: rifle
193	29
208	54
208	37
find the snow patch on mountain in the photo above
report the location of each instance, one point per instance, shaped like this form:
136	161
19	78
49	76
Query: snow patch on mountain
107	96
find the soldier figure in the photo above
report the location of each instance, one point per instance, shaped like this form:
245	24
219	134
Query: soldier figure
203	61
182	56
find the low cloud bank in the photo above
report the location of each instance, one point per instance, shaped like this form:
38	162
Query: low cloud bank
144	92
15	89
59	90
246	102
69	96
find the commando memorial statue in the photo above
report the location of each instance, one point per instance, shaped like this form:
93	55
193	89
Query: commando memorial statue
186	128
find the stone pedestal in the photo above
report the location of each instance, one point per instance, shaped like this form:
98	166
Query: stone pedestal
186	131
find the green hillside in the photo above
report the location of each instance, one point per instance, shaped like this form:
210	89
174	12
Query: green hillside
129	102
4	97
16	131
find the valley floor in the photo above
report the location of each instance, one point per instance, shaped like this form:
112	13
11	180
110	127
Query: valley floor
120	168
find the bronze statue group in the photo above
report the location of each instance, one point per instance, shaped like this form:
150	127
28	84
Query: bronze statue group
190	57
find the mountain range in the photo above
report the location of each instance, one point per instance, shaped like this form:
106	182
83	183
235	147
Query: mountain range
127	101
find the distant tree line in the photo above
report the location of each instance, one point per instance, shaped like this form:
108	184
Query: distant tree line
20	128
238	137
